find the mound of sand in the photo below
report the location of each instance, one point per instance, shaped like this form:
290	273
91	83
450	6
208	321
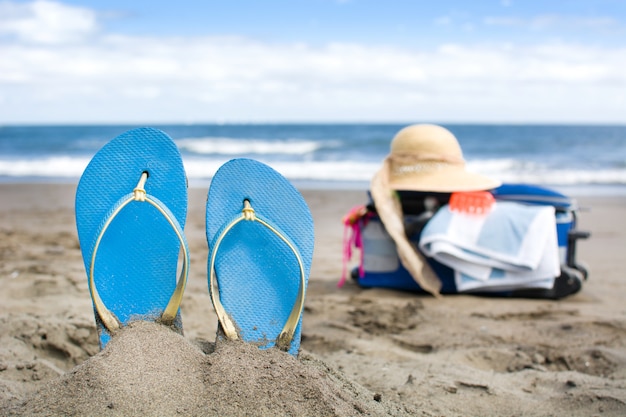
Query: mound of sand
149	370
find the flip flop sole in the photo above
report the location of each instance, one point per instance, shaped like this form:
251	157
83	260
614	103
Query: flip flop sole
258	274
135	268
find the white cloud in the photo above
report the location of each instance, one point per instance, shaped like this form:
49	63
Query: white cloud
443	21
552	21
47	22
124	78
504	21
573	22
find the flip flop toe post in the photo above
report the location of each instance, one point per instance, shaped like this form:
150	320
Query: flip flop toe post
260	234
131	205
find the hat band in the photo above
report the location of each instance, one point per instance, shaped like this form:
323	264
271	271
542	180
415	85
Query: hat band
422	167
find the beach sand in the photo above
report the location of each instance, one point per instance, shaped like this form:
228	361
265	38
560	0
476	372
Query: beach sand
364	352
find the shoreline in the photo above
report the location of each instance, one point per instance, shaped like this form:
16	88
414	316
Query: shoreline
458	356
570	190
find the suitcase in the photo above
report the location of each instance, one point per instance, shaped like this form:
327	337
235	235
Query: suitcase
381	267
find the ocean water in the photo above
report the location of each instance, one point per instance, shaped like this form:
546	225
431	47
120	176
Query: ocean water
591	159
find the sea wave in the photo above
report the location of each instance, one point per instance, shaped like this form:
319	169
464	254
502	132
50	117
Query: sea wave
53	167
231	146
198	168
531	172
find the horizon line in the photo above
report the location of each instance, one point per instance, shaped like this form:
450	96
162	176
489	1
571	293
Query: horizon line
309	122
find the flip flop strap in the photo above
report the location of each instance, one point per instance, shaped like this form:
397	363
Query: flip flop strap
110	321
286	335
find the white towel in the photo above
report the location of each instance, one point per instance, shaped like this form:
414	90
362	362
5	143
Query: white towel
513	246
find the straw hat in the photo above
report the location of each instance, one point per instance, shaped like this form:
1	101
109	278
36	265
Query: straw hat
427	157
423	158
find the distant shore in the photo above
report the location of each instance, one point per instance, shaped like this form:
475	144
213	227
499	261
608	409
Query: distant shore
574	190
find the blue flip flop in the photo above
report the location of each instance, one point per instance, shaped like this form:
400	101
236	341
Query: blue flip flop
260	234
131	205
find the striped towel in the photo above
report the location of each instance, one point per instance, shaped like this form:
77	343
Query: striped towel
513	246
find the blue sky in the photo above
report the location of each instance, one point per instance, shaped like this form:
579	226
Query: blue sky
313	60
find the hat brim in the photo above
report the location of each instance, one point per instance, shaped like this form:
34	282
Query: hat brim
443	181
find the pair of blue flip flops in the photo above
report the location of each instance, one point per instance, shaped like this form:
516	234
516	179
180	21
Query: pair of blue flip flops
131	206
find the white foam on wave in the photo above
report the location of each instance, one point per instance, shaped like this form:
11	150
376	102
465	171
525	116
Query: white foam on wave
516	171
202	168
327	170
566	177
505	170
55	167
229	146
197	168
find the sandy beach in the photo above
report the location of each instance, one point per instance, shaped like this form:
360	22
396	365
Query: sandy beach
364	352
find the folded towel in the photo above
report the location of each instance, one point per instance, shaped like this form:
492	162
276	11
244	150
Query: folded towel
513	246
